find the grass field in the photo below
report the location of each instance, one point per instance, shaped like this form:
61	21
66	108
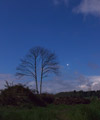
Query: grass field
53	112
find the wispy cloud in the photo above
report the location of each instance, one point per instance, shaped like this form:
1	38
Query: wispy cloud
92	83
61	85
10	78
87	7
6	77
58	84
93	66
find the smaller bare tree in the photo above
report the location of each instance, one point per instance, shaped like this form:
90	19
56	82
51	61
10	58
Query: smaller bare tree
49	64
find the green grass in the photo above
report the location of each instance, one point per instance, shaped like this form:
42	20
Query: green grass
53	112
36	113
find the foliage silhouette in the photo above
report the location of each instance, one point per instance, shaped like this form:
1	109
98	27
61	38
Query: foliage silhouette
18	94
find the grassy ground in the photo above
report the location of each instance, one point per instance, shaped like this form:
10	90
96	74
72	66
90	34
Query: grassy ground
53	112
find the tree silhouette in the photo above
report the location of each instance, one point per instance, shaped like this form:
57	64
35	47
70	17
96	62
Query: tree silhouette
49	64
36	57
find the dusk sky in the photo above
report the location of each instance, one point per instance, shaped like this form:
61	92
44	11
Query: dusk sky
70	28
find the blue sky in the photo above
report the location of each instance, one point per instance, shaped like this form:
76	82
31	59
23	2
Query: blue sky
70	28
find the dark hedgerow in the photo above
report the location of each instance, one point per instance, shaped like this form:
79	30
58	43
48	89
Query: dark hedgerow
71	100
48	98
18	94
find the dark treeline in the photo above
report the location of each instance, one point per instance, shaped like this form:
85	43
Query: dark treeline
79	94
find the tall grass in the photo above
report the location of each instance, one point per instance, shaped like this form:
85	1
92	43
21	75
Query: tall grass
85	112
53	112
26	114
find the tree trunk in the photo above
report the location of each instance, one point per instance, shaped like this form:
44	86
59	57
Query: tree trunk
36	76
41	85
41	79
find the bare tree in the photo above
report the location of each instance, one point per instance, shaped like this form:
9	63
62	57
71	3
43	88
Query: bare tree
49	64
28	65
38	56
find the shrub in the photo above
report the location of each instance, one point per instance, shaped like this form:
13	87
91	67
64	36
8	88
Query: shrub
71	100
48	98
18	95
